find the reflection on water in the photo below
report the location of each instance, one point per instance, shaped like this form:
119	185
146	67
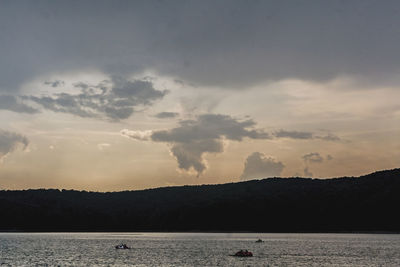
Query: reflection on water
197	249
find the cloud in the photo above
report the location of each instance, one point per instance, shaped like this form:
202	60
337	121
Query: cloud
13	103
114	99
293	134
329	137
313	157
307	173
103	146
137	135
305	135
9	141
166	115
205	134
55	83
259	165
226	43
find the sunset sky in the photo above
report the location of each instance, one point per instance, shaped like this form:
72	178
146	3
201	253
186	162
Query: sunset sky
123	95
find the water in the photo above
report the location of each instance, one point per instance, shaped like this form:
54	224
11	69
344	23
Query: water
198	249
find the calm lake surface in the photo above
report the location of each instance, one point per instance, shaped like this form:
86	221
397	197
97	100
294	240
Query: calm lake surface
198	249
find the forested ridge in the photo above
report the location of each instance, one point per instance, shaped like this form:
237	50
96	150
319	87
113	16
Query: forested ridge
366	203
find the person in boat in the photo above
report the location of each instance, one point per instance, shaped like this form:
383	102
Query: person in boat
122	246
244	253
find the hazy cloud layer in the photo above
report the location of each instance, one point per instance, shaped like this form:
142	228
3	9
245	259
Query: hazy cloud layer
9	141
14	103
259	165
193	138
114	100
228	43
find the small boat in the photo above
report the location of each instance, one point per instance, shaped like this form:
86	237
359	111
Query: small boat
122	246
259	241
243	253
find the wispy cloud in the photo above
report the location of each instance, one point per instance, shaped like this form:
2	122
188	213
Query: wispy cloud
305	135
103	146
166	115
313	157
9	142
293	134
15	104
55	83
307	172
137	135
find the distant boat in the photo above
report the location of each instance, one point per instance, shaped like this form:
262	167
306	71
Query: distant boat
259	241
122	246
243	253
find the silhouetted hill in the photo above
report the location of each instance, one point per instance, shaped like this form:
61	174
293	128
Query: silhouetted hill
367	203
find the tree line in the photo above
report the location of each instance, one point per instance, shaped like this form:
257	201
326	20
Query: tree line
347	204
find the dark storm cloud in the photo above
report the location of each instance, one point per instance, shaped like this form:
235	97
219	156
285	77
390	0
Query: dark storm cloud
166	115
258	165
193	138
13	103
9	141
114	100
226	43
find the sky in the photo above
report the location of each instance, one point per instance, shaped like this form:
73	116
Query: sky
123	95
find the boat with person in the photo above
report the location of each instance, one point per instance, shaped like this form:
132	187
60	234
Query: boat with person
243	253
122	246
